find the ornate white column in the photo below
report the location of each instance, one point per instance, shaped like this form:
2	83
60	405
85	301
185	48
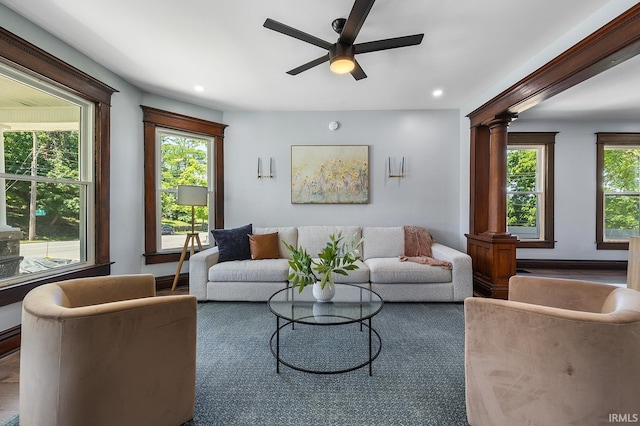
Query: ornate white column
3	193
9	236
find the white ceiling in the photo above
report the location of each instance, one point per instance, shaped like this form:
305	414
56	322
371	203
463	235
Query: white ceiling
167	47
612	94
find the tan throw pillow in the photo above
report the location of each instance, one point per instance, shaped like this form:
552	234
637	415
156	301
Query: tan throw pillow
264	246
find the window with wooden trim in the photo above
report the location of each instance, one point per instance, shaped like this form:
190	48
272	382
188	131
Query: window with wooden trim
200	162
617	189
530	159
66	173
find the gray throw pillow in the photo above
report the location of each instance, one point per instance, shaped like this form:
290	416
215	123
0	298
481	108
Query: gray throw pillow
233	244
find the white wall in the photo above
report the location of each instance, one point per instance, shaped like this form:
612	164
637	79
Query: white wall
427	196
575	188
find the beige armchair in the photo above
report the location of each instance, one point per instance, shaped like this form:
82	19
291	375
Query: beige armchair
105	351
558	352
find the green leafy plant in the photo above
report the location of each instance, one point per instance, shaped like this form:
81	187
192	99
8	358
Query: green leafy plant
339	256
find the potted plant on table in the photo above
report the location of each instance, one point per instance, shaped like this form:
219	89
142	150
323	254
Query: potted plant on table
339	256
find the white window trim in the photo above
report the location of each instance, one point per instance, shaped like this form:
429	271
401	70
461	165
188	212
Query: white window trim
158	169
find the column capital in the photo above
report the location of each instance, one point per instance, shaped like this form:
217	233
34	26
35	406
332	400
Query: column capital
502	120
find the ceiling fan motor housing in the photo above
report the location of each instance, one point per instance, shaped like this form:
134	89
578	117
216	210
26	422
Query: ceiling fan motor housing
340	50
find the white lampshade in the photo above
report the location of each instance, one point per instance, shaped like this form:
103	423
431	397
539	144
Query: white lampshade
191	195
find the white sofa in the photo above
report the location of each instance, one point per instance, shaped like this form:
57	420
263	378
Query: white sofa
380	268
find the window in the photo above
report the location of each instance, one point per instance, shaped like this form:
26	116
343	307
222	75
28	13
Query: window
54	170
179	150
530	188
46	178
618	189
184	160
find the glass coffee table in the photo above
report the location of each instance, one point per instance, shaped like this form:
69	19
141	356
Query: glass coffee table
351	305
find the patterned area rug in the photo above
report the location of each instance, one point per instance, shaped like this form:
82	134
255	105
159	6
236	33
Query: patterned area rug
418	378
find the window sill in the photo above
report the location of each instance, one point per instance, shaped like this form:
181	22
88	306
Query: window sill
613	245
166	257
16	293
536	244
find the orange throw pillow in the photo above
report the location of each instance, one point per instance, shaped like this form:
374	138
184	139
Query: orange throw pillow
264	246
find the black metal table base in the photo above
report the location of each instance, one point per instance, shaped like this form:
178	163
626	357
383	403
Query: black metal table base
275	341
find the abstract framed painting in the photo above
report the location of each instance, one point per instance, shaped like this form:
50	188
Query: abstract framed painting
329	174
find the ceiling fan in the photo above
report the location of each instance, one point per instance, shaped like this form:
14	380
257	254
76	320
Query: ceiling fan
341	54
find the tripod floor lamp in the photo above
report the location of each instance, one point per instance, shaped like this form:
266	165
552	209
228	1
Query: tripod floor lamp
190	195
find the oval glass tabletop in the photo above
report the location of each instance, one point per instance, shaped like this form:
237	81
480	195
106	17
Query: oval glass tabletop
351	303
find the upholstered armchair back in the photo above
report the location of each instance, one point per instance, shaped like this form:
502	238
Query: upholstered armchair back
557	352
105	351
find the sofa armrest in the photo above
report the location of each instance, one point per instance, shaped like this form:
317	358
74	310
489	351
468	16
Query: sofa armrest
199	265
462	272
559	293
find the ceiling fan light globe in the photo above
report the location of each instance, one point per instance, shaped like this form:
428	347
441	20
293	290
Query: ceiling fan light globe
342	65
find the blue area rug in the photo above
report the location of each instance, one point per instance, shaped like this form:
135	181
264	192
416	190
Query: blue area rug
418	378
13	421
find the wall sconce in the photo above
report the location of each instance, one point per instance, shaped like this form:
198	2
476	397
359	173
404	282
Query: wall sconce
262	175
400	173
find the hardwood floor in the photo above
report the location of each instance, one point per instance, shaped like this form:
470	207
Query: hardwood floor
10	364
9	382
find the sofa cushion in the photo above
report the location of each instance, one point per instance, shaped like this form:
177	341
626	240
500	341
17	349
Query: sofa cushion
390	270
233	244
264	246
315	238
382	241
265	270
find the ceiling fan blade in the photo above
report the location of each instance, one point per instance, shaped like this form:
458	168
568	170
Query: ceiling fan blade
389	43
292	32
309	65
355	20
358	72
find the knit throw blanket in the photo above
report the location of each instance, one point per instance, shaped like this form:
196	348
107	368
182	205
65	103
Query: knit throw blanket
417	247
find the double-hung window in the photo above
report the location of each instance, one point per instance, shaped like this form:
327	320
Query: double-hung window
184	159
530	188
46	178
618	189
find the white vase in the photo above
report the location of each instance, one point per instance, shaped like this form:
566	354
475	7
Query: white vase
323	294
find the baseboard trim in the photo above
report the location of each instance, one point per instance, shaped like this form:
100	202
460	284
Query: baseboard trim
9	340
166	282
617	265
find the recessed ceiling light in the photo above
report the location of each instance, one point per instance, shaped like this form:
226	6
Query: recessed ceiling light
198	88
437	93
